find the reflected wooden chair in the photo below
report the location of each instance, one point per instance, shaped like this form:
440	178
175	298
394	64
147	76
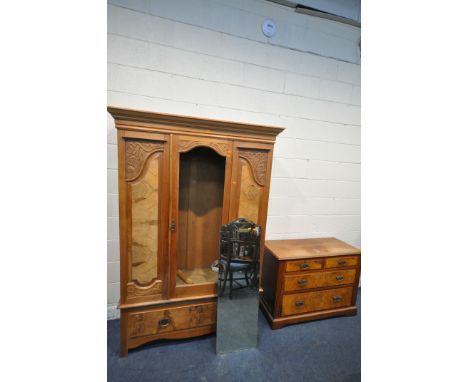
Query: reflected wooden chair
239	252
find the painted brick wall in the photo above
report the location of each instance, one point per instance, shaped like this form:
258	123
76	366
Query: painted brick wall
209	58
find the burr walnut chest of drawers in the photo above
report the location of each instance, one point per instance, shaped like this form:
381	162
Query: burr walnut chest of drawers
309	279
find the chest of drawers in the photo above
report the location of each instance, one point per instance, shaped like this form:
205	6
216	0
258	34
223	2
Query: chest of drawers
309	279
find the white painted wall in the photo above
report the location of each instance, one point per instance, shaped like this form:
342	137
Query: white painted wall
209	58
350	9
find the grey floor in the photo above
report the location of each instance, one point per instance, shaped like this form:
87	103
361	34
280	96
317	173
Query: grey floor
326	350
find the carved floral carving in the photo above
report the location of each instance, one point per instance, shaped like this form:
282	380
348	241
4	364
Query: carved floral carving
258	162
134	290
195	315
136	154
220	148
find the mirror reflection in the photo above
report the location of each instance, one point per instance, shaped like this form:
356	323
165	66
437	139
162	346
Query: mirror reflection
238	267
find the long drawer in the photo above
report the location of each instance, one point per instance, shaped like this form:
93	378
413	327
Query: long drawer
317	300
163	320
319	279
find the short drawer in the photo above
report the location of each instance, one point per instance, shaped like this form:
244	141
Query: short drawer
343	261
318	279
163	320
303	265
314	301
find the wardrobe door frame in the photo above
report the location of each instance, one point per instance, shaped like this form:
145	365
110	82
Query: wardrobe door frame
125	218
236	184
180	143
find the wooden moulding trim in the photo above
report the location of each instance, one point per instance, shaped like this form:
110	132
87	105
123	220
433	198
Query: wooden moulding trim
319	270
350	251
131	115
135	290
220	147
279	322
204	289
185	333
144	128
318	289
172	302
321	256
317	315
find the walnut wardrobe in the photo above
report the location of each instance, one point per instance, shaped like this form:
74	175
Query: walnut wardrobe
180	179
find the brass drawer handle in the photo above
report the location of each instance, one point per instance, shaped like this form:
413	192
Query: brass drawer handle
299	303
336	299
164	322
339	278
302	282
304	266
341	262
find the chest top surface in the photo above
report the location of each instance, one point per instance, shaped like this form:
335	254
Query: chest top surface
309	248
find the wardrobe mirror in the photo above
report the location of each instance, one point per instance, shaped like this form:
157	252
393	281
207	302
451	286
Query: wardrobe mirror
238	294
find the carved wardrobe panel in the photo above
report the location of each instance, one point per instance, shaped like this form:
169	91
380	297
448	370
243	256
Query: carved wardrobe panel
252	172
180	178
145	165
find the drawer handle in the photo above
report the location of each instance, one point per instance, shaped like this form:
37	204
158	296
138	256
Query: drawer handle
300	303
302	282
341	262
304	266
164	322
339	278
336	299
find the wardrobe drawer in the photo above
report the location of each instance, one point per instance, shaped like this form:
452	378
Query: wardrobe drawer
303	265
163	320
343	261
298	303
319	279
